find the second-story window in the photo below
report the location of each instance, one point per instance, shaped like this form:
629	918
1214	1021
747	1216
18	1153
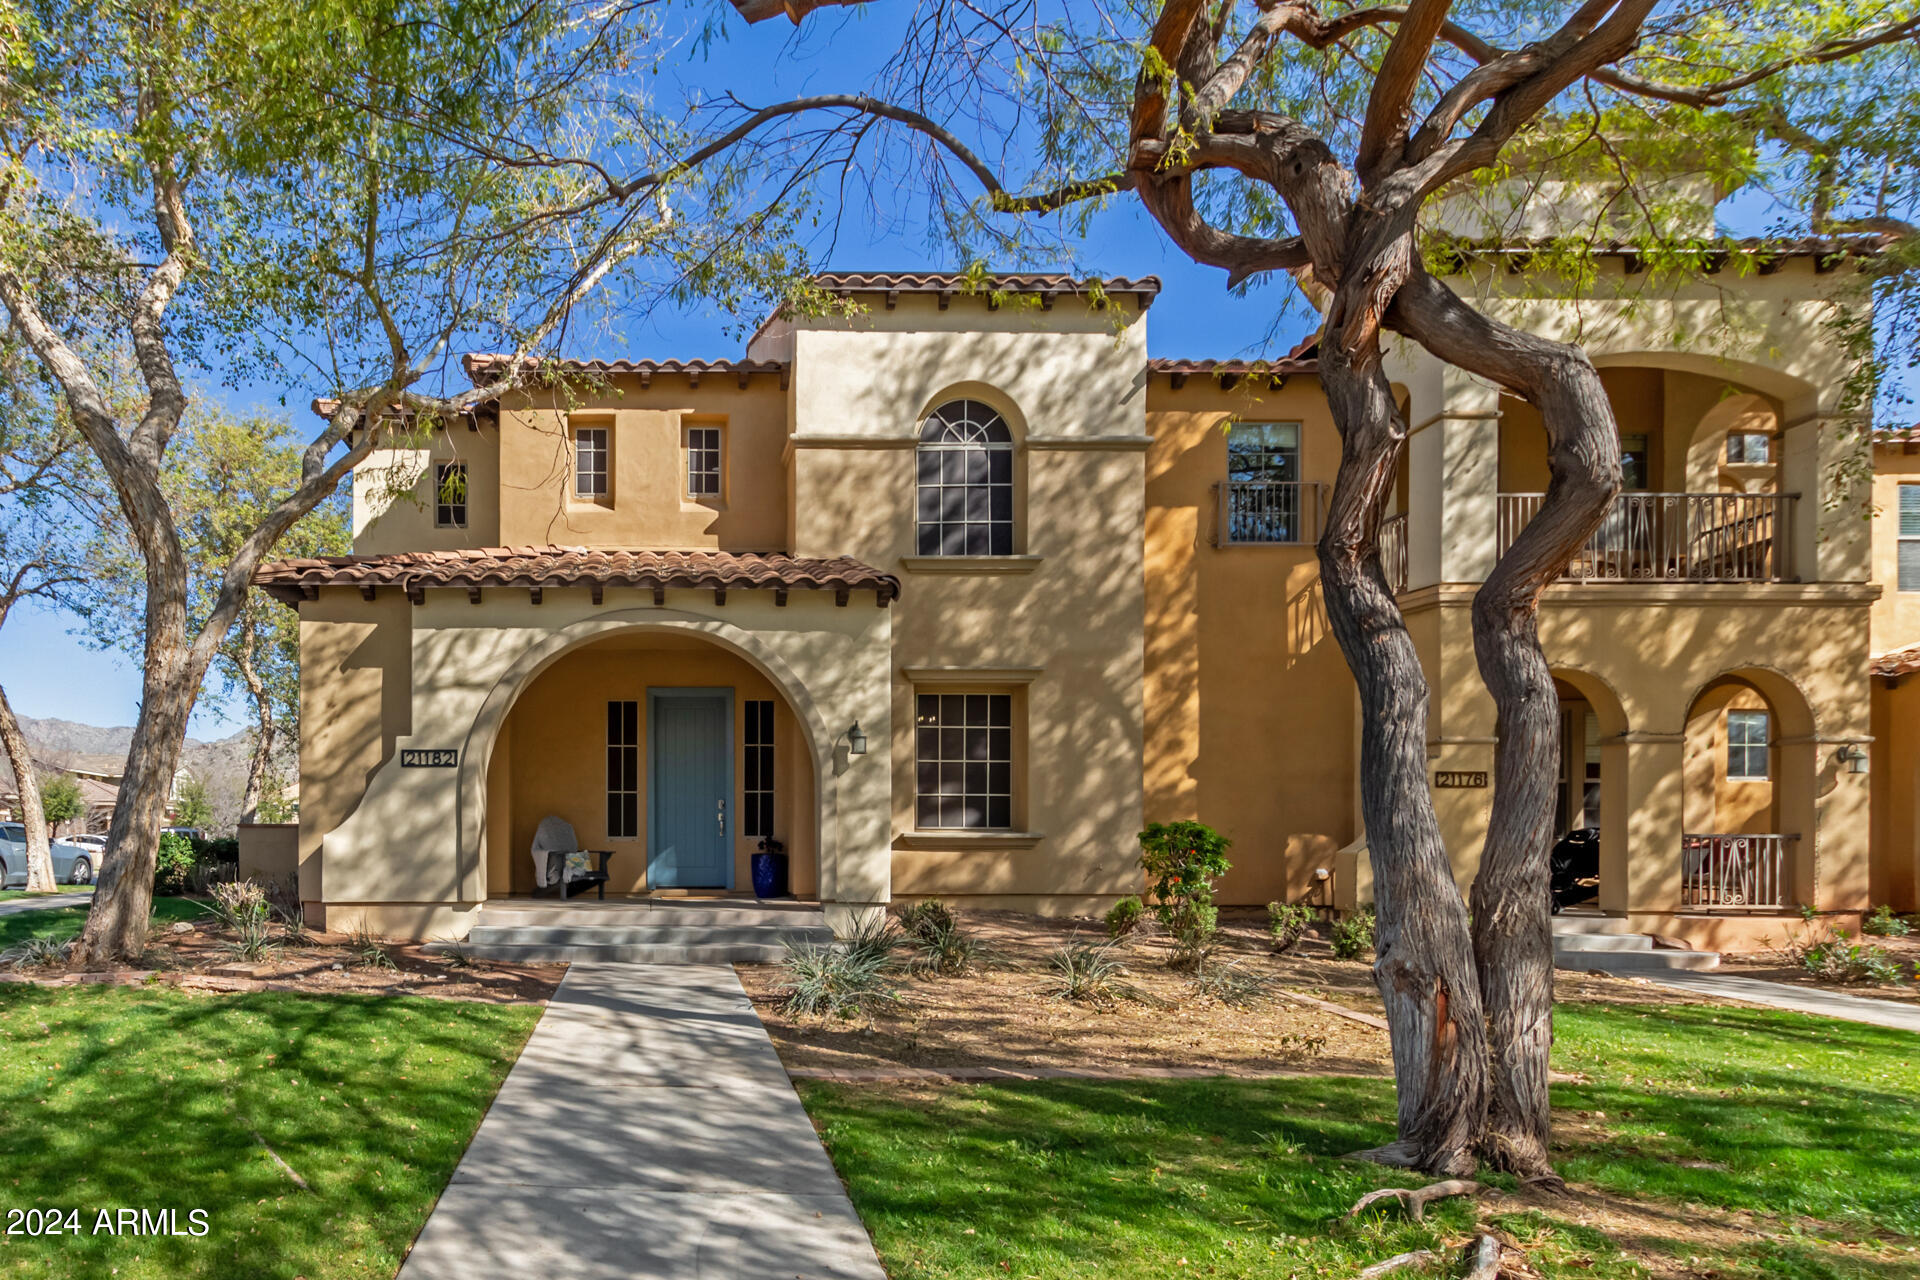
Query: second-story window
965	463
1909	553
1263	482
1747	745
703	462
450	495
1636	463
1748	447
590	462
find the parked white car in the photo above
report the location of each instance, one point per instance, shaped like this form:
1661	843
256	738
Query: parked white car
72	863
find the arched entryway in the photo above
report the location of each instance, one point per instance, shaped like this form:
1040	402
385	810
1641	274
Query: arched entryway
1748	794
1590	798
668	749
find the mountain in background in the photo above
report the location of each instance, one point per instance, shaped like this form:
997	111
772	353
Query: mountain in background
67	744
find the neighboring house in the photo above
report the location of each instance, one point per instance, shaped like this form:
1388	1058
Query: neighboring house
1057	588
99	778
1896	668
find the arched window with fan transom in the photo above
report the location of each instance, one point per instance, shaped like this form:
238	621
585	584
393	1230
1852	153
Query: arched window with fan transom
965	467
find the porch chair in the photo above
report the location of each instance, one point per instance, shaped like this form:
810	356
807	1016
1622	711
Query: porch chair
561	866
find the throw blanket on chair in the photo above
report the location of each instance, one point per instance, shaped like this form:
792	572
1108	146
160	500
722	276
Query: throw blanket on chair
556	853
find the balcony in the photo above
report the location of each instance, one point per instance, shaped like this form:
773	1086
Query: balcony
1260	512
1674	537
1733	872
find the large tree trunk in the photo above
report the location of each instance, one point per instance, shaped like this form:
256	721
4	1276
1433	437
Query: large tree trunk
27	784
1512	910
1423	963
261	758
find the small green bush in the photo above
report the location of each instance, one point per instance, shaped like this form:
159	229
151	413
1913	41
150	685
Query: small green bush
1843	960
1195	925
1124	916
224	851
923	920
1287	923
1353	936
837	980
1182	860
173	865
1884	924
1089	973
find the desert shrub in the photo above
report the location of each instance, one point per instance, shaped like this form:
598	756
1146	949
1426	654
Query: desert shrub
1195	925
923	920
945	949
223	850
1182	860
1089	973
453	953
1231	984
1843	960
837	980
875	938
37	953
1884	924
1124	916
173	865
368	951
241	908
1287	923
1353	936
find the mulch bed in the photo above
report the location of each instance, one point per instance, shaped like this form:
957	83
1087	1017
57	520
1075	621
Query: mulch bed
323	964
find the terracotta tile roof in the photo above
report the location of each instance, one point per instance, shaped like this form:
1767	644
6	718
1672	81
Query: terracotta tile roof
523	567
483	364
1767	249
1304	358
998	281
1900	662
1896	435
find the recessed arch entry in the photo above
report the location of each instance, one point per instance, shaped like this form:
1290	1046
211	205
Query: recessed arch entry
483	737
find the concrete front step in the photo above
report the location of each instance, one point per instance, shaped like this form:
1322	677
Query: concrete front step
697	913
1601	942
1571	925
645	931
1652	960
640	935
635	953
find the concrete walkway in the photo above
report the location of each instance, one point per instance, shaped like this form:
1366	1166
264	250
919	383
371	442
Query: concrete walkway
43	902
647	1131
1782	995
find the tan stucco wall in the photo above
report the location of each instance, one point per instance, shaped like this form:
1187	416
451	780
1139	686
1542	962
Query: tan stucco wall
1896	792
1061	631
269	852
416	842
1249	703
394	495
555	738
648	505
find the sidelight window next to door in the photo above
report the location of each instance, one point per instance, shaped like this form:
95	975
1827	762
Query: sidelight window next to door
623	770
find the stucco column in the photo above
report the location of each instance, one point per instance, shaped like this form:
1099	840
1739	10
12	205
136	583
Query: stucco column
1829	809
1826	460
1453	481
1647	878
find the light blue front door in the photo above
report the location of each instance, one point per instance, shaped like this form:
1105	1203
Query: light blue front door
689	788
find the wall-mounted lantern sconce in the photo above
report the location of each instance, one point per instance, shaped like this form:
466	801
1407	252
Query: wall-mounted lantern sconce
856	741
1854	756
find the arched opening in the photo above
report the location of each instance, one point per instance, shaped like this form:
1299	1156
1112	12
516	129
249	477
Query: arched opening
1589	854
555	737
1747	794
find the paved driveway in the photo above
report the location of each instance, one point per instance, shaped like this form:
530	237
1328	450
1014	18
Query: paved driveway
647	1131
14	906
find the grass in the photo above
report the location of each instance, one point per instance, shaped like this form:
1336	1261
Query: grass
150	1098
65	922
1243	1178
9	895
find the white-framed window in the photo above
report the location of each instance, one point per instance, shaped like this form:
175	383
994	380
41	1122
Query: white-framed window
590	462
623	770
756	810
450	495
965	470
1747	746
1263	482
1909	546
703	462
963	761
1749	447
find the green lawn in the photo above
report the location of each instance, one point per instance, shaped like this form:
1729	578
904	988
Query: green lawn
152	1099
1104	1180
65	922
8	895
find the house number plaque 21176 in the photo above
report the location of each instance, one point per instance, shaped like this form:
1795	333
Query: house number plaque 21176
1460	778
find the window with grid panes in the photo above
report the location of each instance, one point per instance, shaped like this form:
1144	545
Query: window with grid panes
450	495
623	770
965	466
703	462
963	760
1747	745
1909	548
590	462
756	818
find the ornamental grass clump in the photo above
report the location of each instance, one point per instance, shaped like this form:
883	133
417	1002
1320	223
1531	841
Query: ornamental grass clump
945	949
368	951
242	910
924	919
38	953
842	979
1089	973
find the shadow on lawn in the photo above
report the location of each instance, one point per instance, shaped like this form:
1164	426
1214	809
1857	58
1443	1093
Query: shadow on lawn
152	1099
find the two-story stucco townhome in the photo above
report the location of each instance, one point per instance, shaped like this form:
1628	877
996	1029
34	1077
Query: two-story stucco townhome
952	594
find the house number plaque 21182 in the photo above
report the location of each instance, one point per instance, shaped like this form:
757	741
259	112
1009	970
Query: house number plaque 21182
429	758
